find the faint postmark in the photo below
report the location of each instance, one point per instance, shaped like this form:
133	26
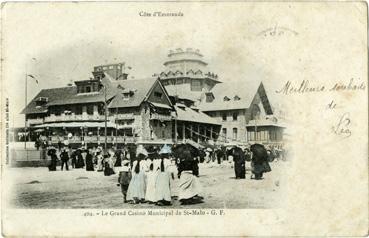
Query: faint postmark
277	31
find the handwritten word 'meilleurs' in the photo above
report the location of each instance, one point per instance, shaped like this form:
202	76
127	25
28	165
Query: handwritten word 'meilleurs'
306	87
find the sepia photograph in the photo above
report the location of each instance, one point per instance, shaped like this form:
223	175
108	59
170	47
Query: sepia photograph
182	136
184	109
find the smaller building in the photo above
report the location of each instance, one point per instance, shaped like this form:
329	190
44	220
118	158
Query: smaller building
246	115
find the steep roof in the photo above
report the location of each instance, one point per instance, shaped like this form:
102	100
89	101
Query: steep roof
71	97
188	114
114	89
53	94
245	92
139	87
182	92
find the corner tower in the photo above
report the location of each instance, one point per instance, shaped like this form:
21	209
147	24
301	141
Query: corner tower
186	74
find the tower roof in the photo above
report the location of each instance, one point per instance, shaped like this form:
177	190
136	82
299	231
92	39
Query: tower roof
187	55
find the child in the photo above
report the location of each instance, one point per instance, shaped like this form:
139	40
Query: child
124	178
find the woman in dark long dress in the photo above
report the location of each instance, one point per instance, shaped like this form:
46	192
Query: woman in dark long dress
89	161
108	165
220	156
54	158
259	161
74	159
189	186
80	163
239	163
118	156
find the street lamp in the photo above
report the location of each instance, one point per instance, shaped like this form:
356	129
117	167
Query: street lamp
106	120
25	103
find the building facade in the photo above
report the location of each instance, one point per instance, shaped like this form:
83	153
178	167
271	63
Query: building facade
245	115
184	103
126	111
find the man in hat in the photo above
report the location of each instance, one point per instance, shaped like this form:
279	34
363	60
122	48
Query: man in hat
64	159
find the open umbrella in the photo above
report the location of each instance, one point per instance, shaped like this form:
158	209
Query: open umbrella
259	152
165	149
185	151
51	151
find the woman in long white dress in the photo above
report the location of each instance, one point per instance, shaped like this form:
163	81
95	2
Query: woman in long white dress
173	171
151	180
137	186
100	159
162	188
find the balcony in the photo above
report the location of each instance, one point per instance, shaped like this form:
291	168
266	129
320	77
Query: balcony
35	121
84	117
94	139
160	117
123	116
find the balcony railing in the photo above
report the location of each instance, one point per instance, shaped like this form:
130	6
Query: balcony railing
84	117
160	117
123	116
94	139
35	121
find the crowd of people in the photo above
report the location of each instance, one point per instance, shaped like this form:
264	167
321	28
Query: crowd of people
162	173
144	177
258	155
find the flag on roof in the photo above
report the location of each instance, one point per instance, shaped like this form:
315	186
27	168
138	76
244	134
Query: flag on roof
31	76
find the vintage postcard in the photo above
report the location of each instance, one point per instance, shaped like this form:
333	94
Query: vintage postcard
184	119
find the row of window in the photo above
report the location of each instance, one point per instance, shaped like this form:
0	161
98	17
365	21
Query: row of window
252	136
225	115
264	135
93	87
175	81
196	84
101	68
234	133
77	110
234	116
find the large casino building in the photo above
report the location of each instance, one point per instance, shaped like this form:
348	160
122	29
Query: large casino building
184	103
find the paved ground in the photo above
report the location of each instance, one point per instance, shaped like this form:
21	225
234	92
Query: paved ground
39	188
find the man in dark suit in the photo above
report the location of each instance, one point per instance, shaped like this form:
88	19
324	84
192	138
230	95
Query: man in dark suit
64	159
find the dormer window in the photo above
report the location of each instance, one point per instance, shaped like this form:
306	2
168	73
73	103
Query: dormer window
236	98
209	97
88	86
127	94
41	101
226	99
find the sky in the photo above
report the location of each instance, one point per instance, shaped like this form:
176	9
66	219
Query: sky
61	42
